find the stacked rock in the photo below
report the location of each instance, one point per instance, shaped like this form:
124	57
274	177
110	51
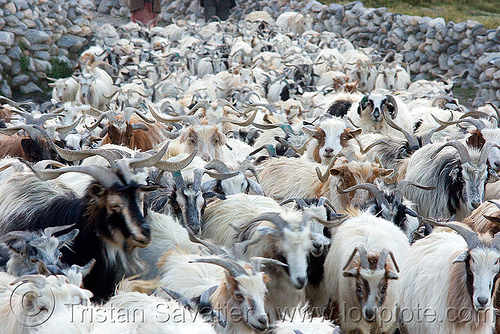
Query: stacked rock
35	32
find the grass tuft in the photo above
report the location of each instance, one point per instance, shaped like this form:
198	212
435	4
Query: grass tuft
486	12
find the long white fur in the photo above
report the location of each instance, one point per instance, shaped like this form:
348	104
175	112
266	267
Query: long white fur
375	234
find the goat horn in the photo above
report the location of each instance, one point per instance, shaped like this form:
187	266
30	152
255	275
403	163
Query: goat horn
68	128
246	122
392	100
76	155
217	165
38	280
49	231
363	257
299	201
176	166
231	266
497	111
189	119
299	150
324	177
426	139
462	150
180	298
476	122
324	200
30	129
102	175
337	220
214	249
469	236
266	126
383	258
400	188
350	121
404	183
309	131
273	217
148	161
371	188
478	114
258	261
247	165
412	140
110	115
372	145
485	151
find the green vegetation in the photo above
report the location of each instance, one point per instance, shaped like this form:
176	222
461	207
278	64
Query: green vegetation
486	12
60	69
24	62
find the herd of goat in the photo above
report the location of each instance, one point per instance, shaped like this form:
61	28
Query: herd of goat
244	171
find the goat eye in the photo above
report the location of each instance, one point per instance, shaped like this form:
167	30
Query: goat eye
34	260
238	295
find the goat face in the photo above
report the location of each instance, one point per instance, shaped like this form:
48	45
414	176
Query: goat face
86	88
123	210
474	179
121	133
189	207
37	149
294	249
370	285
36	250
374	105
483	265
248	294
208	140
331	136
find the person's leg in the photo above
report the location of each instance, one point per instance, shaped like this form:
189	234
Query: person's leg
223	7
210	10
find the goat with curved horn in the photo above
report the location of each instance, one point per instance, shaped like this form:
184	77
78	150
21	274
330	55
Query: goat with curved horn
193	120
470	237
462	150
176	166
233	268
412	140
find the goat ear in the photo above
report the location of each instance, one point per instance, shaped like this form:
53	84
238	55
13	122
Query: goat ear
208	186
140	126
337	171
461	258
68	237
351	273
188	135
210	194
256	188
493	176
354	133
231	282
454	173
391	275
218	138
28	145
385	172
96	191
42	269
85	270
17	247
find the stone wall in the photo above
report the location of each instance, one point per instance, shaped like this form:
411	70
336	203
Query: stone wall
35	32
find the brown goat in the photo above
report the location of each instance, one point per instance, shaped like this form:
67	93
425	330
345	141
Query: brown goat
290	177
25	147
133	134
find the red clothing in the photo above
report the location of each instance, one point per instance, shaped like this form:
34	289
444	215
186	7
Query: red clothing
145	15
